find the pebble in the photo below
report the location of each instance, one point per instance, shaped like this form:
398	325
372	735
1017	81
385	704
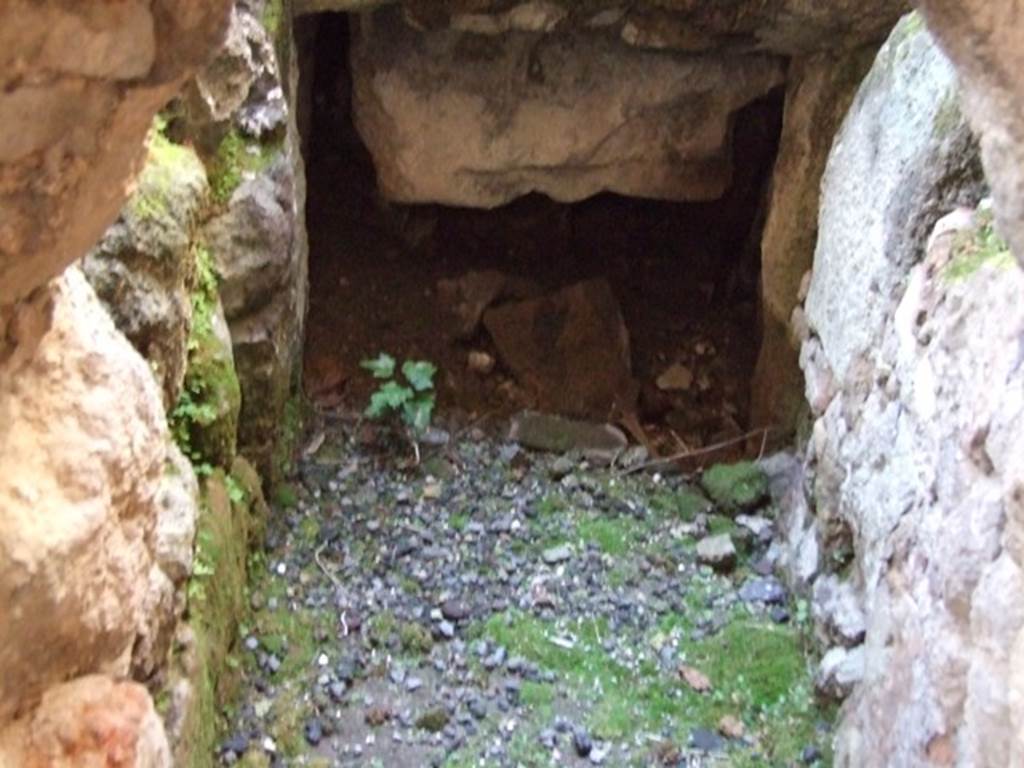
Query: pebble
704	740
556	555
582	742
313	731
763	590
447	629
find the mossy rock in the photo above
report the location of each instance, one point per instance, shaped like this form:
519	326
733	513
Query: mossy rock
205	419
233	511
736	488
433	720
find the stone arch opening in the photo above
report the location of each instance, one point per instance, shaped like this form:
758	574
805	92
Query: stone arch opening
415	252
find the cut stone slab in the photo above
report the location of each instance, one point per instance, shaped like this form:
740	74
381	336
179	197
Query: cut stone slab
717	551
556	555
545	432
570	349
459	118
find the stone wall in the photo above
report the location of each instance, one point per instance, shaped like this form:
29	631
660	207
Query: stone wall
97	509
911	349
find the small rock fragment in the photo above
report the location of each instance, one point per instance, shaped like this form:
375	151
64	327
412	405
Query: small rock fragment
717	551
556	555
480	362
731	727
582	742
677	377
694	678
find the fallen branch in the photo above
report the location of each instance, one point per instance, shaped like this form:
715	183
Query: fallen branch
320	564
698	451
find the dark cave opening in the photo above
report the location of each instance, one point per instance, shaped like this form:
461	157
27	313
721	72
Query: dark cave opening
684	275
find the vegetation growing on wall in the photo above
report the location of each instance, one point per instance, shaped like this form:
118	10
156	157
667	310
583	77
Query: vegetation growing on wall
236	157
205	420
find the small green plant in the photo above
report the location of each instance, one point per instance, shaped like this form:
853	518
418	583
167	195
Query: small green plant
410	399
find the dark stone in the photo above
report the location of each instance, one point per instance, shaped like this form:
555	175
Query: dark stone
764	590
582	742
313	731
810	755
706	741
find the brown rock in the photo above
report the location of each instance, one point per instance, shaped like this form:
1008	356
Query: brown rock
71	140
570	349
91	721
694	678
83	446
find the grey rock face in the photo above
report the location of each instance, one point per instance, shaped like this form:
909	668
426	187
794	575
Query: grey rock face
918	446
717	551
840	670
142	268
903	158
579	114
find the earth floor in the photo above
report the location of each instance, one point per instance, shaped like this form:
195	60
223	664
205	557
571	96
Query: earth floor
495	607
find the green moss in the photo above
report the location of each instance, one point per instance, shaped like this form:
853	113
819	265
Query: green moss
977	247
381	628
235	157
433	720
289	433
286	496
685	503
612	535
204	421
166	165
216	605
415	638
272	16
736	487
757	669
458	522
551	504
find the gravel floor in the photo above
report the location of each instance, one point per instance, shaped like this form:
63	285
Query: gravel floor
494	607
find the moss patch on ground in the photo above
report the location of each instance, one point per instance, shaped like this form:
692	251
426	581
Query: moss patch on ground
735	487
757	669
975	248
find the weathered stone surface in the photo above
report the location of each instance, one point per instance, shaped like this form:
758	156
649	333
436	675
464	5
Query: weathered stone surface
91	721
818	93
545	432
917	448
717	551
142	268
240	86
931	461
903	158
178	508
791	27
570	115
982	37
251	244
569	349
840	670
83	445
80	84
838	616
